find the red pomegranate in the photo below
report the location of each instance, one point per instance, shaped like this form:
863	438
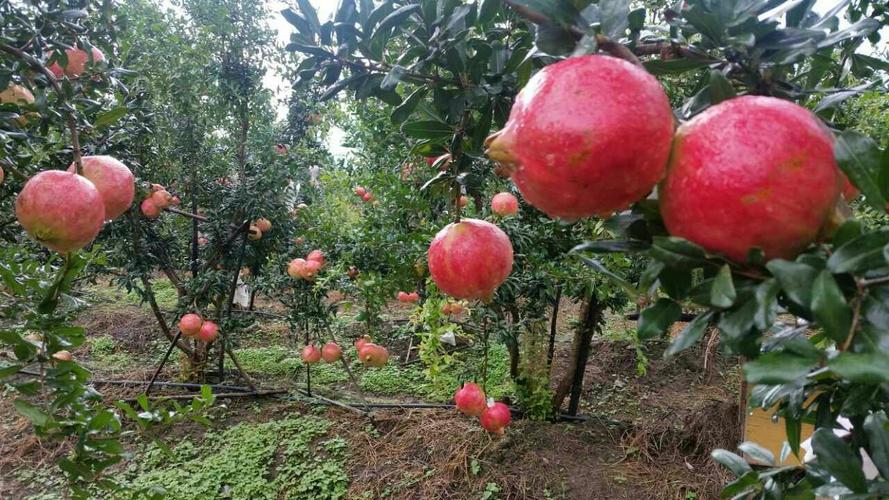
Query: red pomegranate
299	240
331	352
751	172
281	149
62	356
2	175
495	418
586	136
470	400
175	201
190	324
470	259
311	354
77	60
161	199
20	96
263	224
203	241
353	272
462	201
361	342
311	269
368	197
149	209
113	179
317	256
253	232
373	356
850	192
61	210
504	204
208	332
360	191
296	268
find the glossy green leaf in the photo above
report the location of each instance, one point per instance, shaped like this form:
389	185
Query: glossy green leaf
859	157
678	252
673	66
427	129
656	319
613	15
778	367
877	428
829	306
34	414
110	117
731	461
795	279
861	368
860	254
839	459
403	111
722	293
720	88
689	335
757	452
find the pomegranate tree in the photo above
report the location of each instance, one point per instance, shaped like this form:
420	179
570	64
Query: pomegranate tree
586	136
751	172
63	211
470	259
470	400
113	180
495	417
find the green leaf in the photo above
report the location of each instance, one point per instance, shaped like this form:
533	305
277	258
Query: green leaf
720	88
403	111
689	335
742	487
678	252
830	308
397	17
673	66
34	414
793	427
655	320
766	303
722	293
731	461
778	367
611	275
392	78
795	279
487	11
861	368
308	49
839	459
340	85
875	425
613	15
110	116
859	157
757	453
860	254
311	15
674	281
428	129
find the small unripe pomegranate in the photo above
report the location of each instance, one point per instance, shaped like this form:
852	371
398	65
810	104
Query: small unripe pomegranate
190	324
208	332
77	60
331	352
263	224
588	135
452	308
495	418
373	356
353	272
311	354
149	209
113	180
446	308
504	204
2	175
470	400
462	201
470	259
368	197
361	342
751	172
296	268
360	191
317	256
161	199
157	187
62	356
254	233
61	210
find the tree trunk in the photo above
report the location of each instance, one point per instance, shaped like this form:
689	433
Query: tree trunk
552	327
591	315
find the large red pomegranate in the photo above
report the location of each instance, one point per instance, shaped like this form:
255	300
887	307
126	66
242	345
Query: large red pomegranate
470	400
296	268
361	342
331	352
208	332
751	172
114	181
149	209
20	96
470	259
190	324
373	355
77	59
495	418
586	136
263	224
61	210
311	354
317	256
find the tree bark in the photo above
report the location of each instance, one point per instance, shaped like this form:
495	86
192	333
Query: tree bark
591	315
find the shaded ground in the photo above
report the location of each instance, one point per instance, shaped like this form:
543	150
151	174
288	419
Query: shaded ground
649	435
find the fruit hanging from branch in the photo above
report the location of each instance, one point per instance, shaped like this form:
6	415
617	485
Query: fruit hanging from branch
331	352
149	209
470	259
311	354
61	210
190	324
253	232
373	355
751	172
587	136
208	332
504	204
264	225
470	400
76	62
113	180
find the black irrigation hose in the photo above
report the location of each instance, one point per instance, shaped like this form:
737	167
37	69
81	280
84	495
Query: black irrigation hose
164	384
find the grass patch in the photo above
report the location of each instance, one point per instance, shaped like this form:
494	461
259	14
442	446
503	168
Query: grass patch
272	360
290	458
